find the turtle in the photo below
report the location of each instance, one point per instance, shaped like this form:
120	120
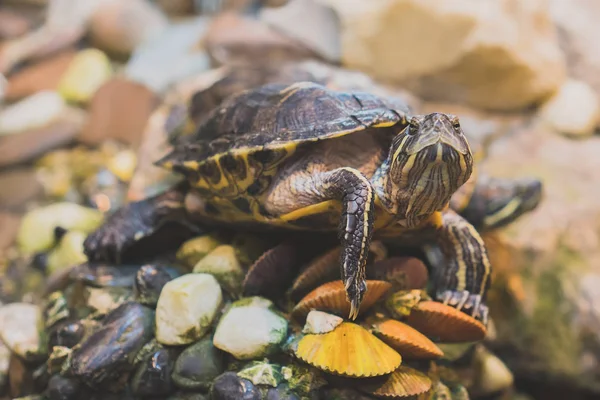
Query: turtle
304	157
485	201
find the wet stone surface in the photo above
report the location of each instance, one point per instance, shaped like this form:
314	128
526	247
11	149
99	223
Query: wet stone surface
149	281
104	357
101	275
153	376
198	365
229	386
62	388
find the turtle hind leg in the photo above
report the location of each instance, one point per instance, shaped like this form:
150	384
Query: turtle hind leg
464	277
314	192
137	223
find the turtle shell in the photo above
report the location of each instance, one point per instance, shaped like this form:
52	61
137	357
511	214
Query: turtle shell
253	131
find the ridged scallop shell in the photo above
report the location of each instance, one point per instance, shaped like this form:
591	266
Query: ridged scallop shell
272	272
326	268
406	340
403	273
331	297
322	269
403	382
348	350
444	323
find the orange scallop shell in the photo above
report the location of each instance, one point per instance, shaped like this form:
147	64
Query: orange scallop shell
406	340
403	382
331	297
444	323
348	350
404	273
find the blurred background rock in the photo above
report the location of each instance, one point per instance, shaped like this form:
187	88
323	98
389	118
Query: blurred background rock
82	83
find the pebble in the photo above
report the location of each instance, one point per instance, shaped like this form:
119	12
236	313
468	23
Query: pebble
153	376
19	324
119	110
35	111
62	388
4	361
574	110
281	392
104	356
197	298
87	72
102	275
229	386
149	282
66	334
43	75
68	253
250	329
262	373
188	396
36	232
223	265
194	250
20	186
198	365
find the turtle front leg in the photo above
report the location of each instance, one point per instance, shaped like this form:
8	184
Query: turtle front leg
355	192
464	278
133	222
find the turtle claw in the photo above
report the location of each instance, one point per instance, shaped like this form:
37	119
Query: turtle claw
470	304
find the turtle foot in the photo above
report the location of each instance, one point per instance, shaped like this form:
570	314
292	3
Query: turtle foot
470	304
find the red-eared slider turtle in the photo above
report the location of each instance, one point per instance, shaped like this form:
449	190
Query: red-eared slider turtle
305	157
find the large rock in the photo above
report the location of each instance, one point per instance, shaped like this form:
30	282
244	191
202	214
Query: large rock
499	54
545	300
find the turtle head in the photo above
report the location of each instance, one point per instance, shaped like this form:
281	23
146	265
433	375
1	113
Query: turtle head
429	160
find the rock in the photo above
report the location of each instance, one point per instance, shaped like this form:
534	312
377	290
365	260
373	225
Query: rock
104	357
10	225
149	282
319	30
89	69
68	253
119	27
43	75
36	232
21	185
544	298
574	110
198	365
223	265
36	111
262	373
26	146
19	329
61	388
232	39
492	375
66	334
229	386
153	376
102	275
4	361
194	250
281	392
13	24
101	301
186	308
188	396
490	55
170	57
20	377
119	110
344	394
250	329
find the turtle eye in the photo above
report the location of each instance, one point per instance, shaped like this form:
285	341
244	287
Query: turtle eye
412	128
455	122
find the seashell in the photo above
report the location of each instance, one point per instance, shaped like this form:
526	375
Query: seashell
445	323
272	272
322	269
331	297
404	273
320	322
406	340
349	350
325	268
403	382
